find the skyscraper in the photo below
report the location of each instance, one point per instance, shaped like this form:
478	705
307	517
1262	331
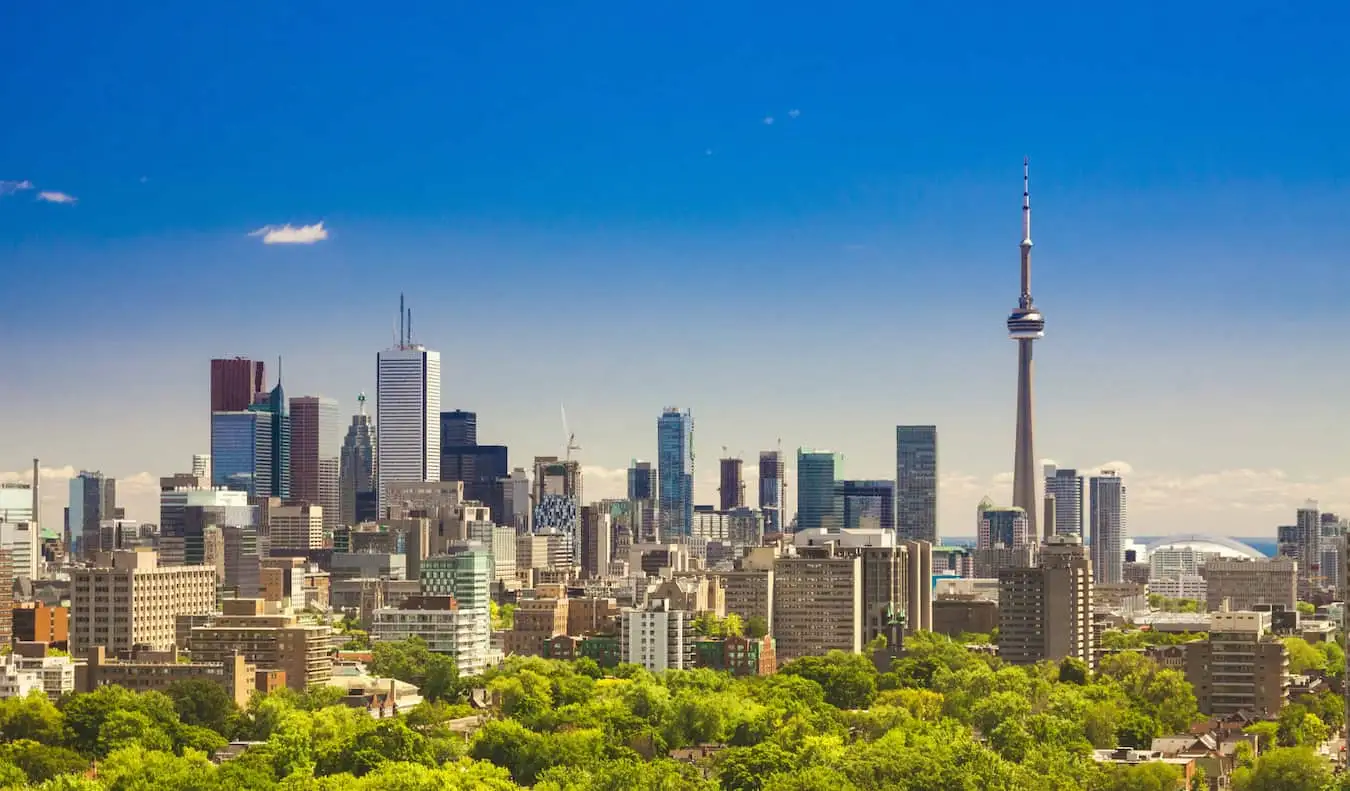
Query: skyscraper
93	498
771	490
1107	505
316	447
356	473
408	413
817	471
278	411
1025	325
1309	524
642	501
235	383
241	452
732	489
675	473
1067	487
459	427
480	467
866	504
916	479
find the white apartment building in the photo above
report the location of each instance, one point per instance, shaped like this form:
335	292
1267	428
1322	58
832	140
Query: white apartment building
15	682
1180	586
658	638
24	544
464	634
56	674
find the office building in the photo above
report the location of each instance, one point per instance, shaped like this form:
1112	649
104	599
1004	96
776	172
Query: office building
241	453
1003	540
675	473
16	503
866	504
316	450
1107	508
23	541
1067	487
515	501
443	624
297	527
459	429
36	622
658	638
408	415
916	482
235	383
1045	612
772	485
158	671
731	491
277	412
596	538
186	512
127	599
1026	324
356	470
1250	584
201	465
93	499
1239	668
465	573
817	471
270	641
480	467
1309	546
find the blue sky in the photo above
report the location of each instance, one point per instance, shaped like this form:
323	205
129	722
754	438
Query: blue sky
586	204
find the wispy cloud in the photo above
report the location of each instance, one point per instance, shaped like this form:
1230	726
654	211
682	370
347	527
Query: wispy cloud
768	120
52	196
290	234
11	187
794	113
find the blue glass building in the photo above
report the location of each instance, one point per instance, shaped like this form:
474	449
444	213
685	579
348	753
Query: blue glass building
278	414
675	473
241	452
866	503
816	471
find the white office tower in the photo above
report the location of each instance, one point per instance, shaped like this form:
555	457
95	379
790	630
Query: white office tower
408	412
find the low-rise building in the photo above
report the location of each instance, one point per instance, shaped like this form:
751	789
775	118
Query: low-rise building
740	656
957	615
41	623
56	673
443	625
144	671
1247	584
269	640
536	622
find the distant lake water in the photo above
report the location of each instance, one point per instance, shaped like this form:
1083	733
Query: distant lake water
1264	546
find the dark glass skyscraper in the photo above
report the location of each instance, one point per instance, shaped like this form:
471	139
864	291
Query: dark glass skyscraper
866	504
771	490
732	489
458	428
675	473
93	498
278	470
916	483
359	502
480	467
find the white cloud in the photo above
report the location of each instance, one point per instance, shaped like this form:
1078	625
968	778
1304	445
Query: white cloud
794	113
11	187
768	120
52	196
290	234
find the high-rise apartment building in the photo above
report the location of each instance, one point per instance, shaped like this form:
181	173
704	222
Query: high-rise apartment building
1067	487
1309	524
316	449
866	504
1239	668
596	539
271	641
817	605
356	470
515	501
408	413
916	482
442	624
1045	612
658	638
817	471
1250	584
771	484
235	383
1107	504
675	473
731	491
93	499
127	599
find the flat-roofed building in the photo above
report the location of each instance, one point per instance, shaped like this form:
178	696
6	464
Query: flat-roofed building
271	641
1240	667
1045	612
1246	584
127	600
146	671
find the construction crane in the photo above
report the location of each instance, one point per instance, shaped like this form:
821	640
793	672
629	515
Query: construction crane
569	439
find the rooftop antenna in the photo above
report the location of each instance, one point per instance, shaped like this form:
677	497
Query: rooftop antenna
410	335
361	403
401	343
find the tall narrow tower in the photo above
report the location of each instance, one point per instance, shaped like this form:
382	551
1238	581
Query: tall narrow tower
1025	325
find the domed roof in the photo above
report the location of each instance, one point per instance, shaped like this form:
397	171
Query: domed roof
1202	542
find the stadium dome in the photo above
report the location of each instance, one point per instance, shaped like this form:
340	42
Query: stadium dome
1200	542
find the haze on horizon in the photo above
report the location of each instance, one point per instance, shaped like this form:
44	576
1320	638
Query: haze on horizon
802	228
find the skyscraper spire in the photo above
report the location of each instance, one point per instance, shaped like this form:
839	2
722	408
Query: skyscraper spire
1025	300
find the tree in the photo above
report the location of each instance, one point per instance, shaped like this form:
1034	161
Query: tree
1152	776
746	768
849	680
1285	769
732	626
1299	728
1073	671
42	762
203	703
1302	656
756	627
1306	608
32	717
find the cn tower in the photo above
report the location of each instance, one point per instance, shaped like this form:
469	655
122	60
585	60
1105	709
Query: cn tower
1025	325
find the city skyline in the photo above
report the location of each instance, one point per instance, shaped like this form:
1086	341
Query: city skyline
1191	266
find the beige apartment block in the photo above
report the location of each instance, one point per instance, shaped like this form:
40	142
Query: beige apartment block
749	594
1045	612
127	600
147	671
817	605
536	622
1248	583
272	641
297	527
1240	667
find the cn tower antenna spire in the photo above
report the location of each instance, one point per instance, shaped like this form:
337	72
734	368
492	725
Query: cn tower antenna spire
1025	300
1026	325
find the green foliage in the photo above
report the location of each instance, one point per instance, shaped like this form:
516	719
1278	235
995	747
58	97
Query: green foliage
1073	671
849	680
1135	639
411	661
756	627
1160	602
503	615
203	703
1306	608
1303	657
1285	769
